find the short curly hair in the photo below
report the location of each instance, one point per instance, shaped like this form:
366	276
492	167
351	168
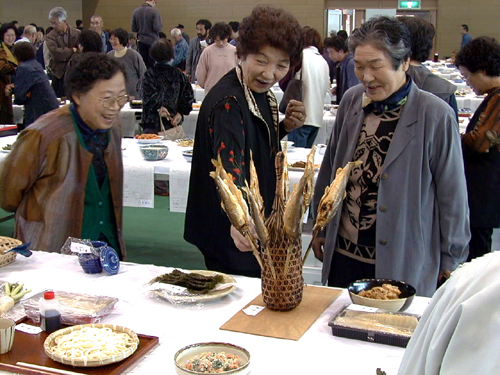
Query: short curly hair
23	51
162	51
221	30
90	41
91	68
482	53
421	34
121	34
268	26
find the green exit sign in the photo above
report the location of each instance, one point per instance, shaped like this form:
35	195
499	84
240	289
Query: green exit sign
409	4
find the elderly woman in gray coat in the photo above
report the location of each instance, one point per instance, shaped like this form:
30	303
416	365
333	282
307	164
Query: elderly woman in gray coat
405	215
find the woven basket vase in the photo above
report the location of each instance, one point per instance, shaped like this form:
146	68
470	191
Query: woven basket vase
7	243
285	292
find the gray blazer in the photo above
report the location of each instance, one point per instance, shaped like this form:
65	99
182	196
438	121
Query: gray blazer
426	225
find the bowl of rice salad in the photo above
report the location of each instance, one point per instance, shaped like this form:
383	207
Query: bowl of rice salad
212	358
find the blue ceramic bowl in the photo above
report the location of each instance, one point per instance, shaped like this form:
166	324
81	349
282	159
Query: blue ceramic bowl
402	303
90	263
154	152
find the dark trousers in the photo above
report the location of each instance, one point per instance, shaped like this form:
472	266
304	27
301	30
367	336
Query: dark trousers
304	136
58	86
344	270
480	242
144	52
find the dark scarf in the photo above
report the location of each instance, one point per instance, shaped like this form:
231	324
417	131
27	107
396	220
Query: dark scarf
394	101
96	142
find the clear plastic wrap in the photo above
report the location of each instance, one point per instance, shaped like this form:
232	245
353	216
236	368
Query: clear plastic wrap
178	295
370	324
16	313
76	308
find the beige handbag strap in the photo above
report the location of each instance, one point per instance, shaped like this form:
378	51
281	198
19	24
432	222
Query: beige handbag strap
162	128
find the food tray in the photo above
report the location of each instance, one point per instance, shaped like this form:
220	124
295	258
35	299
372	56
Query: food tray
75	308
29	348
359	325
50	342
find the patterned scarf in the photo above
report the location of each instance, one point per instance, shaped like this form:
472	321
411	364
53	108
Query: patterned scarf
8	52
394	101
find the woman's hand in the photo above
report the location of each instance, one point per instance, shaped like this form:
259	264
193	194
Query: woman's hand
317	246
176	120
240	241
295	115
8	89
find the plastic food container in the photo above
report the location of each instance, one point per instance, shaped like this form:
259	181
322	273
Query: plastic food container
75	308
368	324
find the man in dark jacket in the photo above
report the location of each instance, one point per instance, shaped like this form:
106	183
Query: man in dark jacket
146	22
97	24
339	53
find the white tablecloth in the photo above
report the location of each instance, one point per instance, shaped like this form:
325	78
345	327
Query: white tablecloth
129	124
470	101
317	352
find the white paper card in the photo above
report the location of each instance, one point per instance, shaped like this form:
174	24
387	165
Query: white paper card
253	310
80	248
179	186
32	330
138	186
355	307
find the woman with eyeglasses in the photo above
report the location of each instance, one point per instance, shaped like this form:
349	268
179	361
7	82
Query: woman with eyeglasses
64	175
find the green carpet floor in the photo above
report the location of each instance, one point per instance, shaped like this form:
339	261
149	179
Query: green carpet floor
152	236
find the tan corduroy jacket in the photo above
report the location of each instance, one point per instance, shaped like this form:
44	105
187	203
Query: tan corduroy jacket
44	177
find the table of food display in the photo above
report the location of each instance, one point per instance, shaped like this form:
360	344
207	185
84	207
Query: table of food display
180	322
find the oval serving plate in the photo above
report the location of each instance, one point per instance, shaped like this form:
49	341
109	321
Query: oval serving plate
195	298
149	141
85	362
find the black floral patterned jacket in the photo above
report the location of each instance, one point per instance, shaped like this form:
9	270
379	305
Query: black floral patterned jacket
164	85
230	124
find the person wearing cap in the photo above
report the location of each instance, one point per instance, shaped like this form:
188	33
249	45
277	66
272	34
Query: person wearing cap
184	35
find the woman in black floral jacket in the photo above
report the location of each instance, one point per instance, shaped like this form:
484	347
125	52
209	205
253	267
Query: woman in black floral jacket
165	90
239	117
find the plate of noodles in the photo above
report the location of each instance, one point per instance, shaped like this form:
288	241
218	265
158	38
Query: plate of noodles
91	345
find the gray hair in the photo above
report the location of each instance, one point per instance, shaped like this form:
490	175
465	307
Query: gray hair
96	16
386	34
29	30
176	32
59	13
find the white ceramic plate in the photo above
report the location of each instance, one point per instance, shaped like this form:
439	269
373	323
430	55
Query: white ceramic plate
195	298
5	151
149	141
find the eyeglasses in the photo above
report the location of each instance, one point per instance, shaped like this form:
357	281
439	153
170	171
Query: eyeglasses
108	102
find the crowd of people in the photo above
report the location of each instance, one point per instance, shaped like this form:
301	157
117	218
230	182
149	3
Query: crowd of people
424	200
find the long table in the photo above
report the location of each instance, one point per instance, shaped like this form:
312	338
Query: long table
316	352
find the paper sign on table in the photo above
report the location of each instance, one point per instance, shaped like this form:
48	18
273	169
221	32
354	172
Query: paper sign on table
179	186
138	186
